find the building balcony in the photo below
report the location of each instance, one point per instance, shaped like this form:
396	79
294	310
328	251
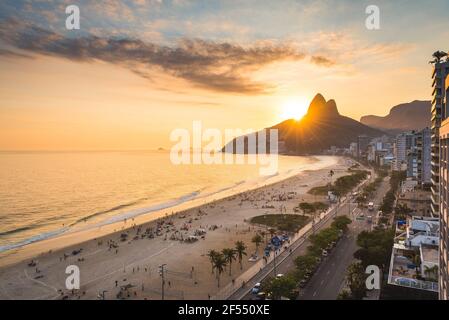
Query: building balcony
437	101
435	180
435	200
435	210
433	189
436	91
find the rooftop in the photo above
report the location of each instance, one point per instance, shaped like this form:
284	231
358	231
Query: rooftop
415	195
429	253
404	272
415	254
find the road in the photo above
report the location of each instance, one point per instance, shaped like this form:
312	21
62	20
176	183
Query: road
287	263
329	279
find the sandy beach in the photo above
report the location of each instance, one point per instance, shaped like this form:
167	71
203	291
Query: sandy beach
125	256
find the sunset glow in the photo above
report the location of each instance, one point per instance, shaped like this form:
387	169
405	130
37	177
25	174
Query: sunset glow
294	108
173	62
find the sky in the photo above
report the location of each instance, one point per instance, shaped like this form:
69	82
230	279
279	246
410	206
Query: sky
138	69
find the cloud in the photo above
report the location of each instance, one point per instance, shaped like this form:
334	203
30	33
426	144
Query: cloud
215	66
322	61
13	54
348	48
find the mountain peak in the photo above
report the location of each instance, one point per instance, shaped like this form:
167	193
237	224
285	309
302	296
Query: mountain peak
319	107
331	108
322	128
403	117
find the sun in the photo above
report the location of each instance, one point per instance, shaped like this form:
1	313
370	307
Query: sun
293	109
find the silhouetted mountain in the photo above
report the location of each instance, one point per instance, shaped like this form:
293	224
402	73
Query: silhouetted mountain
404	117
321	128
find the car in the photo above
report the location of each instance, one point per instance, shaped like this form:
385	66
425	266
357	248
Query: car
302	283
324	253
261	296
279	275
256	288
253	258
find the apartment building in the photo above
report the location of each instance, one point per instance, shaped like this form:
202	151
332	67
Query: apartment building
438	112
440	165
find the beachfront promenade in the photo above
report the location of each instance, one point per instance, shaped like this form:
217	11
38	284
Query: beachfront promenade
241	286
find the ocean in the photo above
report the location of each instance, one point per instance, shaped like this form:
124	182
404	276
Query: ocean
44	194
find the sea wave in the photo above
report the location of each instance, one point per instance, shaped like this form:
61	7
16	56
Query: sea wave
36	238
117	218
205	193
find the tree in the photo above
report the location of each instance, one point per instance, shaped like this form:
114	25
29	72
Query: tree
401	211
280	287
219	265
240	248
229	255
375	247
344	295
331	174
257	240
361	200
212	254
306	207
341	223
431	272
306	263
356	280
417	263
320	206
371	256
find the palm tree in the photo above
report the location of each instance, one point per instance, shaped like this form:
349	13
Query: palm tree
257	240
417	262
264	235
240	248
219	265
212	254
431	272
229	255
